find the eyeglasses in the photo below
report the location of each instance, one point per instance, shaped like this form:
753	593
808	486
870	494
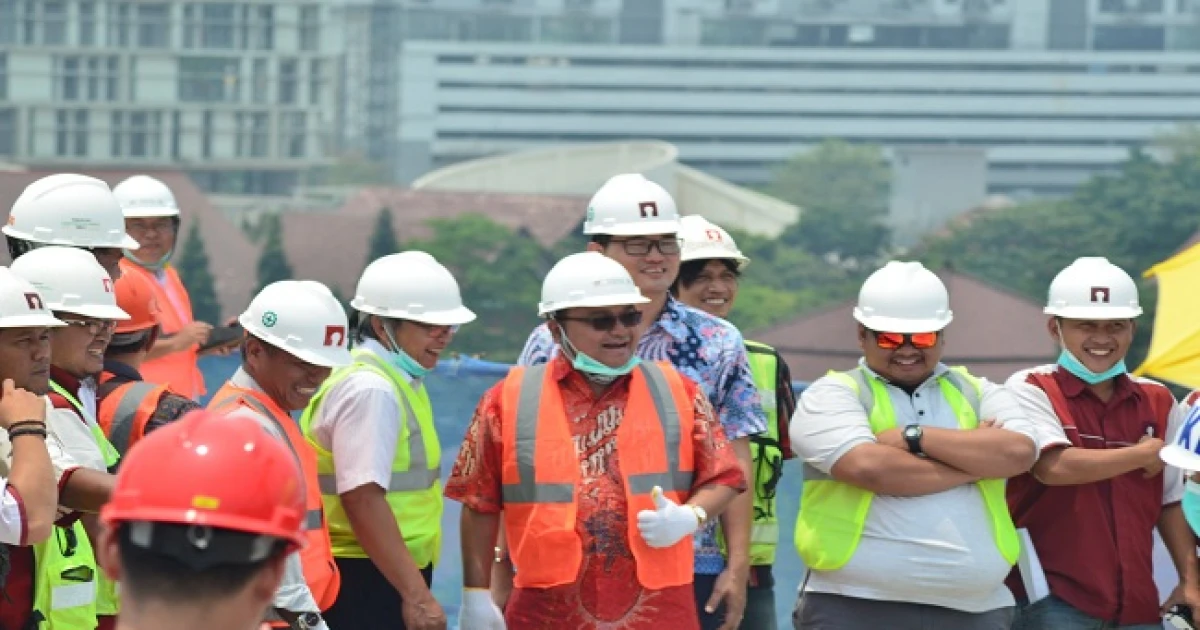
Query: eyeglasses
605	323
642	246
93	326
920	341
144	228
435	329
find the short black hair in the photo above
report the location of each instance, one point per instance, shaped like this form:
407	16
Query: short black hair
130	342
690	270
154	575
602	239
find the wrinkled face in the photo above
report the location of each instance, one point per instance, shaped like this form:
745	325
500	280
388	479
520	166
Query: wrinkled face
1098	343
713	291
109	258
288	380
608	334
25	358
653	270
423	342
78	348
906	360
156	235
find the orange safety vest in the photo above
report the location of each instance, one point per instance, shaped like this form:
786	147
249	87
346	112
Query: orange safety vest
124	412
320	571
179	369
541	484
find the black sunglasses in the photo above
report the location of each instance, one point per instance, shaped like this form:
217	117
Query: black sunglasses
605	323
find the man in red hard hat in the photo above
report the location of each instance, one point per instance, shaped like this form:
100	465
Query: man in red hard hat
203	515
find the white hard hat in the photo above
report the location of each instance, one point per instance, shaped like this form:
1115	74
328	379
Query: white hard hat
585	280
411	285
1184	452
903	297
142	196
1093	288
307	323
705	240
631	205
69	209
21	306
70	281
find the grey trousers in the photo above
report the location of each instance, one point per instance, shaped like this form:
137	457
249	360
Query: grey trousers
825	611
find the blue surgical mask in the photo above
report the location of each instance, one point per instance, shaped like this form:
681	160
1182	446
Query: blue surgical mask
1191	505
1076	367
594	370
154	266
402	360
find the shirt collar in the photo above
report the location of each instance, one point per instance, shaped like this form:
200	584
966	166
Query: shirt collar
65	380
566	375
384	355
939	371
1073	387
673	319
242	379
122	370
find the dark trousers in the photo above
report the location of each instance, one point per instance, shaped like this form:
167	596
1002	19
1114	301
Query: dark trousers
366	600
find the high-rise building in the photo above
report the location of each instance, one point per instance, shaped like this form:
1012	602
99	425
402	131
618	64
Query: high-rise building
240	94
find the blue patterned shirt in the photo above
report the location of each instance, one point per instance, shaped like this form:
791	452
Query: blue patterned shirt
708	350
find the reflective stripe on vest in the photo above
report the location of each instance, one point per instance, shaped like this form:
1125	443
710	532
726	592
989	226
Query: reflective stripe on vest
414	493
540	472
120	432
833	514
111	456
65	580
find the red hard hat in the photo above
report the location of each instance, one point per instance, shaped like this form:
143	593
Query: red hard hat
135	296
209	469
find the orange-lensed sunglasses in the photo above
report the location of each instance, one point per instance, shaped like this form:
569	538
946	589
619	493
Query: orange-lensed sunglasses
920	341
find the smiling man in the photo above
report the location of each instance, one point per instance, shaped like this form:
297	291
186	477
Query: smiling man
296	332
903	523
1101	431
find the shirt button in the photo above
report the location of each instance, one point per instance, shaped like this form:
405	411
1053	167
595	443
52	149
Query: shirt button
920	413
917	395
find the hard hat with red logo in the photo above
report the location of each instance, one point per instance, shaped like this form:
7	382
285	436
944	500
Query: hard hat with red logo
1093	288
302	318
135	296
21	306
705	240
70	281
631	205
231	490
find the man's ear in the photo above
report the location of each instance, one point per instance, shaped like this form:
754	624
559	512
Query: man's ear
108	553
555	329
593	246
264	585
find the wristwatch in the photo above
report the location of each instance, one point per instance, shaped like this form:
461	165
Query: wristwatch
308	621
912	435
701	515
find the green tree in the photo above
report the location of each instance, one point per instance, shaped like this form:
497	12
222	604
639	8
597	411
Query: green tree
499	272
273	264
383	237
197	277
843	191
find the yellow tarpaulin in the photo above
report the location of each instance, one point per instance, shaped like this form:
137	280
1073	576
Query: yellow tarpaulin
1175	347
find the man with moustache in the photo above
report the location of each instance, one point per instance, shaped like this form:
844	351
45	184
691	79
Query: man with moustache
635	222
601	466
903	522
1100	431
296	333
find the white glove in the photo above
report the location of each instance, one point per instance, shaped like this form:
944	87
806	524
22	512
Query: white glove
479	612
668	523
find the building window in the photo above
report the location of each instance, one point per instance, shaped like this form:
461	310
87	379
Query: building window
71	133
260	28
3	76
118	24
69	78
217	26
1134	6
261	88
8	21
287	82
54	23
87	78
87	23
310	28
292	135
8	131
154	25
206	133
208	80
315	80
116	134
136	134
260	134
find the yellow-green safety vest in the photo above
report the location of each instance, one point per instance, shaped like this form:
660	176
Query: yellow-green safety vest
108	602
766	457
64	581
414	491
832	513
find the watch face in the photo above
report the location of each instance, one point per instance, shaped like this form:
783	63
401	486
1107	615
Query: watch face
310	620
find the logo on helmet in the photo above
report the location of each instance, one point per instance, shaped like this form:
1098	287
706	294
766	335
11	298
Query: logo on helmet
648	208
713	235
269	319
335	331
34	301
1100	294
107	285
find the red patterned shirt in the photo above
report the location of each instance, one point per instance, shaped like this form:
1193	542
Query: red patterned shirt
606	594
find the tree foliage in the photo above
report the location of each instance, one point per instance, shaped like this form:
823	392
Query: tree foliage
273	264
197	277
383	237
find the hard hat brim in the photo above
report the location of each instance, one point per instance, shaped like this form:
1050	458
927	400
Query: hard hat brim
1179	457
125	242
453	317
742	261
150	212
31	321
1094	312
629	299
641	228
905	326
98	311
